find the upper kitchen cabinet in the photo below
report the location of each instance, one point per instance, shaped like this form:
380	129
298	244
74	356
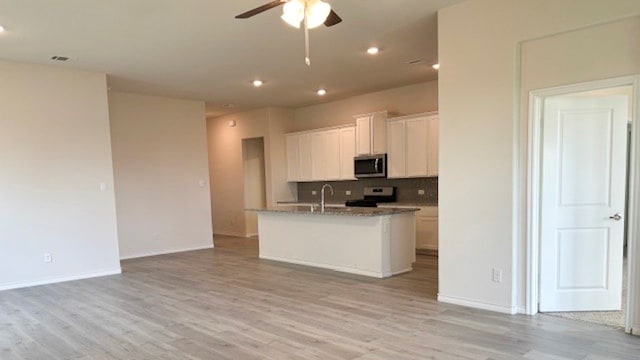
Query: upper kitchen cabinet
412	144
293	157
347	152
371	133
321	155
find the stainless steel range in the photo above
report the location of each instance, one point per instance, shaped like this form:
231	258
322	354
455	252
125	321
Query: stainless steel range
373	196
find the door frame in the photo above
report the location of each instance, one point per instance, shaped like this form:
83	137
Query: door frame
534	184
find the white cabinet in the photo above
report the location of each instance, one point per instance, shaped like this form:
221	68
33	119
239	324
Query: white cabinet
347	152
293	158
371	133
396	149
412	144
416	147
325	155
432	145
321	155
304	157
426	226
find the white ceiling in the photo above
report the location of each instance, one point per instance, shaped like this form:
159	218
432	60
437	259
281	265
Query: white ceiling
195	49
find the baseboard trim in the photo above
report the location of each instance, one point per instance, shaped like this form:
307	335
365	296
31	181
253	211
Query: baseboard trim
374	274
165	252
55	280
478	305
522	310
226	233
635	330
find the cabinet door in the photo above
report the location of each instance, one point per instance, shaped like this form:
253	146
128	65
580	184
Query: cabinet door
293	158
347	152
416	135
432	146
304	147
396	149
318	158
379	133
363	135
427	232
331	153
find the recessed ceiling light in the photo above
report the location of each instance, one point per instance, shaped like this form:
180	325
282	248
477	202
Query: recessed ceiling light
321	92
257	83
1	28
436	66
373	50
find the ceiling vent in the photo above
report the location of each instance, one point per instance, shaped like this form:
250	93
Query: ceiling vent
59	58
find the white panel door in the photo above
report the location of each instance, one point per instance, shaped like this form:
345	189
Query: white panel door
583	200
432	146
416	134
331	153
396	149
304	146
363	135
293	158
347	152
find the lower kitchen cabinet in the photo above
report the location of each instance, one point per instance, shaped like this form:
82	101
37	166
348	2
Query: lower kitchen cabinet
426	226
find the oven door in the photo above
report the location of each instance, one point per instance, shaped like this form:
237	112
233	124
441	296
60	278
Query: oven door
370	166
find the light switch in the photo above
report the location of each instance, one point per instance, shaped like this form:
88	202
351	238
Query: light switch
103	186
202	183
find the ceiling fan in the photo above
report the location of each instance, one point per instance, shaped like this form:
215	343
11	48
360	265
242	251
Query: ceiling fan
311	13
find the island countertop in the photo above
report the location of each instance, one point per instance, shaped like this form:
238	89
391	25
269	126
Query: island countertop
339	211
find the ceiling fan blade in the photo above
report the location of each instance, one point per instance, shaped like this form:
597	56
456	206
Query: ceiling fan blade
260	9
332	19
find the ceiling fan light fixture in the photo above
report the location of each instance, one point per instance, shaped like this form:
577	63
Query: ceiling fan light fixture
317	13
293	13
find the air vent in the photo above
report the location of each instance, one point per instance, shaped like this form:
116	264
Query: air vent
59	58
416	62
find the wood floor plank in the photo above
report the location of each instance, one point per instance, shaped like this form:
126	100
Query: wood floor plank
225	303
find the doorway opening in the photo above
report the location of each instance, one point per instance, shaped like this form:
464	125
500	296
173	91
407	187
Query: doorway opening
582	199
255	195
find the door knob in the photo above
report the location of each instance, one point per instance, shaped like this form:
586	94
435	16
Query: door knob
616	217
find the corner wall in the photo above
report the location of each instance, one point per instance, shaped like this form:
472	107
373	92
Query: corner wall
161	174
480	134
226	165
55	152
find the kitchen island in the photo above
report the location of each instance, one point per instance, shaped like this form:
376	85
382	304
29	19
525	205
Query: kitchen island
373	242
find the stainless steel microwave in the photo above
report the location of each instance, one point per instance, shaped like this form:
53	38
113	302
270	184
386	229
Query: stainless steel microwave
370	166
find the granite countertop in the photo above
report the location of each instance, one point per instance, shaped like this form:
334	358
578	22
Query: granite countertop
340	211
341	203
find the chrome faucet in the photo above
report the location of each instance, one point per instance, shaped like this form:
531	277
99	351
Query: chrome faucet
322	195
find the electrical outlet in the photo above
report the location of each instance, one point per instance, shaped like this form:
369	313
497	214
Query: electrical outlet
47	257
202	183
420	191
497	275
313	192
348	192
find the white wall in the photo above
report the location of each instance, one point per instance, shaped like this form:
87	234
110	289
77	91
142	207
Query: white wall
161	174
54	153
226	164
405	100
481	148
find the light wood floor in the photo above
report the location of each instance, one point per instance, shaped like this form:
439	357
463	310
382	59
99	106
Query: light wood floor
226	304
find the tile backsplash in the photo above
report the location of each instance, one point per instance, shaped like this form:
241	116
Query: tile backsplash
407	190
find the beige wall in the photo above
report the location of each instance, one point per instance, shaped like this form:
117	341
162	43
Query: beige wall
161	174
255	195
404	100
55	152
481	148
226	165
